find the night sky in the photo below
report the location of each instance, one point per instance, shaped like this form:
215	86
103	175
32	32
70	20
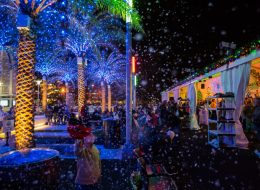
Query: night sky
183	36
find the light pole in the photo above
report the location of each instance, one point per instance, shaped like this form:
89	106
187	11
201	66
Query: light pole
128	145
38	99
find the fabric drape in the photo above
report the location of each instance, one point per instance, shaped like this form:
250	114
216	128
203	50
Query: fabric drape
176	94
164	96
236	80
192	95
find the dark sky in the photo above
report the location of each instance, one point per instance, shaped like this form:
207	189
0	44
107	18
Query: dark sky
182	36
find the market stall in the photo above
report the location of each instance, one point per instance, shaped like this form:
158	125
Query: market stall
240	77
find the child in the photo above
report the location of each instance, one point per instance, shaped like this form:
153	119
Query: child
88	163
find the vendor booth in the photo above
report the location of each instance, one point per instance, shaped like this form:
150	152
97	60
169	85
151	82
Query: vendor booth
241	78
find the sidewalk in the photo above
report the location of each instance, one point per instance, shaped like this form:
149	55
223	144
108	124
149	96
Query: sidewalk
39	122
67	151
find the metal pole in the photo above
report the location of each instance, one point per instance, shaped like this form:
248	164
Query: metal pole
38	103
128	77
134	91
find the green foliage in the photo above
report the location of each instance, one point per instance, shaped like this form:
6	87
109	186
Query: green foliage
115	7
199	95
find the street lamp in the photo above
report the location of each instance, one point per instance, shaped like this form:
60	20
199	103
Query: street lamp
128	147
38	99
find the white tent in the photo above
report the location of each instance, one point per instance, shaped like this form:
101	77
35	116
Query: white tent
234	77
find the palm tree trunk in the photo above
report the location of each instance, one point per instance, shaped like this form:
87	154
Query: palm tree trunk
67	95
103	95
44	93
24	111
81	85
109	103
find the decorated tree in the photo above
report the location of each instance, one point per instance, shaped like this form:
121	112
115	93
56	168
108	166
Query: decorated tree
48	65
107	66
67	73
84	34
24	116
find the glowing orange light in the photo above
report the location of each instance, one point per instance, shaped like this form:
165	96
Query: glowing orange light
133	64
256	61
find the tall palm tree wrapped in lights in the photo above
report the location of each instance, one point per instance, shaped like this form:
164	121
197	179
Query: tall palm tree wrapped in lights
83	36
24	111
67	73
77	41
107	67
47	63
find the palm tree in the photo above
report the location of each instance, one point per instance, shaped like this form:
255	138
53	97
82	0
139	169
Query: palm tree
84	36
24	115
48	65
107	67
67	73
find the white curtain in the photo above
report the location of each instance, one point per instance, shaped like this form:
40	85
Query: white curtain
236	80
164	96
192	95
176	94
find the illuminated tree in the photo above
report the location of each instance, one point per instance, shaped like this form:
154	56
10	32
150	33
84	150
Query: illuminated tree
67	72
48	65
107	67
83	34
24	115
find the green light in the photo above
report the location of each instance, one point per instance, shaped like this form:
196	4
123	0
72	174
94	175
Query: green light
135	80
253	52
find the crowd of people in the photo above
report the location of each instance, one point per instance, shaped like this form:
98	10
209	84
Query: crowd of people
57	114
7	123
155	131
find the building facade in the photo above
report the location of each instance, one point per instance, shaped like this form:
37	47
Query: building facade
7	80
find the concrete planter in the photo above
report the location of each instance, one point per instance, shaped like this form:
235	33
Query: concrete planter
36	168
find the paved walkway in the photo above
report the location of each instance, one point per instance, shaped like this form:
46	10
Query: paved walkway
57	137
67	151
51	128
51	131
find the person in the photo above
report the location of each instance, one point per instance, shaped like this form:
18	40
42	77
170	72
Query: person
84	113
55	114
73	120
246	115
213	104
49	114
155	118
11	111
2	114
213	113
256	122
135	128
172	108
8	126
88	163
163	113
